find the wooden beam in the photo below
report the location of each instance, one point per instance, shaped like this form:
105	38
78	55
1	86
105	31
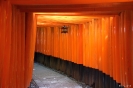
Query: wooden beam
77	7
62	2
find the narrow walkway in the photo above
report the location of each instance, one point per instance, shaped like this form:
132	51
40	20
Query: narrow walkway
47	78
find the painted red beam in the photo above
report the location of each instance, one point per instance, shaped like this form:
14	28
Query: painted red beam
77	8
64	2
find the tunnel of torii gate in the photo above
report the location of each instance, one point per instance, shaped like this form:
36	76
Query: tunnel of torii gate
97	47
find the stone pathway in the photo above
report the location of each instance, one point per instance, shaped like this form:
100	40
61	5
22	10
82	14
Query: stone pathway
48	78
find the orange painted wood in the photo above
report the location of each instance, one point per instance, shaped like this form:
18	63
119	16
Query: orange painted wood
72	35
2	37
95	55
63	46
102	43
49	40
61	43
20	47
33	30
27	53
37	40
111	56
66	46
14	49
89	33
84	43
107	40
6	41
128	54
103	48
93	50
0	46
109	46
41	40
70	43
17	54
44	40
47	48
89	28
18	33
58	44
87	38
32	2
56	41
131	79
117	50
126	44
99	43
48	37
23	48
75	43
106	44
114	48
54	35
51	34
67	51
30	46
52	41
122	49
77	40
80	44
39	36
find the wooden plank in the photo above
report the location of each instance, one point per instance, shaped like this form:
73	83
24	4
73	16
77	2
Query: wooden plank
42	2
23	48
131	81
44	41
30	47
122	48
7	43
18	47
0	40
128	39
70	43
80	41
95	9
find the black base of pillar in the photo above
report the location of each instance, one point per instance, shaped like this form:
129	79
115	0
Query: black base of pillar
89	76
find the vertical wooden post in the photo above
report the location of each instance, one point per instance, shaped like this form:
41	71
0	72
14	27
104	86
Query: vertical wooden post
80	45
131	80
30	46
128	47
22	48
